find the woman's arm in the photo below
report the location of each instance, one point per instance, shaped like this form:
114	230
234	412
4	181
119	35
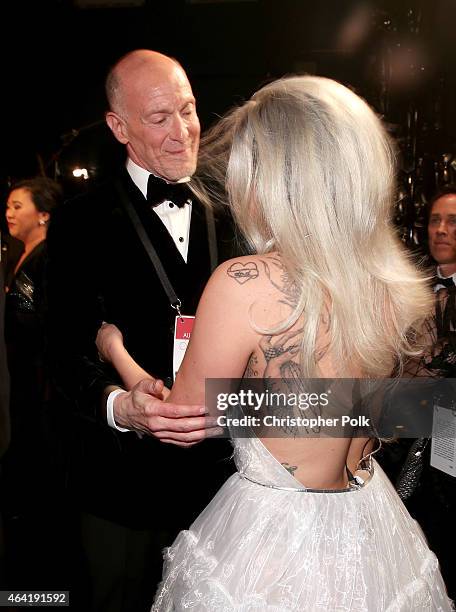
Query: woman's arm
223	337
111	348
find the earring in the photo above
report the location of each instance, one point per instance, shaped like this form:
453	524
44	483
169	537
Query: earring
42	222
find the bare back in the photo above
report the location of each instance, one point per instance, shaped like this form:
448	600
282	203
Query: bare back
246	296
316	462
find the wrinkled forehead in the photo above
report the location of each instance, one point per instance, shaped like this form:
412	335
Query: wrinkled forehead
147	84
445	205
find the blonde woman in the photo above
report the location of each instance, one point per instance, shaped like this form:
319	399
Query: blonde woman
329	292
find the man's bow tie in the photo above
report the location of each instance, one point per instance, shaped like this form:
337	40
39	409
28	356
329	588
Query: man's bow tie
158	190
444	282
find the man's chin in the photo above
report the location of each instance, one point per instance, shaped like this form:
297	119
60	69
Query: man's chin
178	172
443	255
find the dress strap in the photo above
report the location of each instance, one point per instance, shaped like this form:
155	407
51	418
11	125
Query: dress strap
367	459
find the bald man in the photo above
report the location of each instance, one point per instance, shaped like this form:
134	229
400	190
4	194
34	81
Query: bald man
136	490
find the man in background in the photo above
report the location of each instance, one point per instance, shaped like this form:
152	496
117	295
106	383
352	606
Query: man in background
430	493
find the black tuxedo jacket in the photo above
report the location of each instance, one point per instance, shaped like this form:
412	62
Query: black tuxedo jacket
99	271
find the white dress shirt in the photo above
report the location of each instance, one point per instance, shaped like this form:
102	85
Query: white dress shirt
438	286
175	219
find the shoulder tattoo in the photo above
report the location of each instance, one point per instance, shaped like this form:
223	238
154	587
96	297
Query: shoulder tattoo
243	272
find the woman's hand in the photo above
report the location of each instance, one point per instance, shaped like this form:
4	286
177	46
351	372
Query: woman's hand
109	342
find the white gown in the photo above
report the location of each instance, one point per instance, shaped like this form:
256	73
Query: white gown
266	544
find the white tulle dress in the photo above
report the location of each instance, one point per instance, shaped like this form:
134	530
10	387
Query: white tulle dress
266	544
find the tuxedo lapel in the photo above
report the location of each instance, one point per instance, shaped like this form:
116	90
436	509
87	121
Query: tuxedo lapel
198	249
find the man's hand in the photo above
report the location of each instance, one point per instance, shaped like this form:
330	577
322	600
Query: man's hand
143	410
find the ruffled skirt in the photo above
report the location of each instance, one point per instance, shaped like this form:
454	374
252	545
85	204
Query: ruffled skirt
262	549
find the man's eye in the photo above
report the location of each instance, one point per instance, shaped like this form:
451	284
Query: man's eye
154	120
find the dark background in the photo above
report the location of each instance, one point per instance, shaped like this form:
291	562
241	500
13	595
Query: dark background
398	54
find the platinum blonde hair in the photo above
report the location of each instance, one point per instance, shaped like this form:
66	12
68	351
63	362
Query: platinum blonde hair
310	173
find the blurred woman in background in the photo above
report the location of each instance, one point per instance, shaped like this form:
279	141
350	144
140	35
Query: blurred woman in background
27	465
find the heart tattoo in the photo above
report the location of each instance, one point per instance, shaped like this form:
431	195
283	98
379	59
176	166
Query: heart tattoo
243	272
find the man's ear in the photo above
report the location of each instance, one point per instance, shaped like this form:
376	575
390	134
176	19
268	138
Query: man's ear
117	126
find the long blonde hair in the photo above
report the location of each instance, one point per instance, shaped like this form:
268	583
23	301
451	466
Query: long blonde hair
309	173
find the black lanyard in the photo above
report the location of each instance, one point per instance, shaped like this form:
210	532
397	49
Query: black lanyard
152	253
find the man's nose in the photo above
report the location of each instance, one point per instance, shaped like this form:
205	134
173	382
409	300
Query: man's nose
178	129
442	228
